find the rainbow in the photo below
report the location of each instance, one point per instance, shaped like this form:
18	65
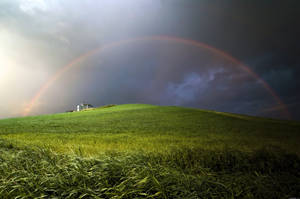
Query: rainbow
179	40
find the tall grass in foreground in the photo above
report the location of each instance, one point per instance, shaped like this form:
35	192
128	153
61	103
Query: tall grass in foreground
182	173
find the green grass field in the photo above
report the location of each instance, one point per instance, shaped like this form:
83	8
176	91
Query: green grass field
146	151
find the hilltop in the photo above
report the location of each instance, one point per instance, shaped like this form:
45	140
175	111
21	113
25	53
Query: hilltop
149	127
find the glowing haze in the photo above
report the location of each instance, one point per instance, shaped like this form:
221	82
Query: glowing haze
39	38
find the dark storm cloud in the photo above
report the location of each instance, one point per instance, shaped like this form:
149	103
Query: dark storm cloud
188	90
39	37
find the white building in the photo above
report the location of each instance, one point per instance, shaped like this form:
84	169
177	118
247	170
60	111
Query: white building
83	106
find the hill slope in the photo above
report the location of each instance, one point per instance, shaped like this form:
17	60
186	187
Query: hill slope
150	128
145	151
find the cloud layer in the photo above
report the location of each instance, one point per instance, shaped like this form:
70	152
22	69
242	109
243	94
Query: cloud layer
39	37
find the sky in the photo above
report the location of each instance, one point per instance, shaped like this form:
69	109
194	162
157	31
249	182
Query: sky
231	56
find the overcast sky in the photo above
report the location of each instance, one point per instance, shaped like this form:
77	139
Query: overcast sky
39	37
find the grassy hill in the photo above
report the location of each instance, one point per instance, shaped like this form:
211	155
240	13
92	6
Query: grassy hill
146	151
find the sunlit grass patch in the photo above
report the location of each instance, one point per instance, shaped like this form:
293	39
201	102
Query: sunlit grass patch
89	144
